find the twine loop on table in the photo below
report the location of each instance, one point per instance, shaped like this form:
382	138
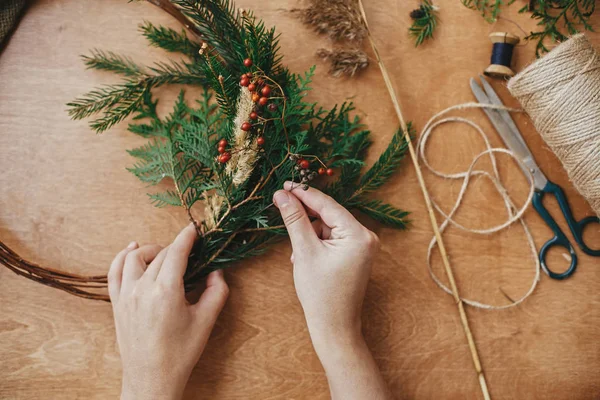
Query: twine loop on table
514	213
561	94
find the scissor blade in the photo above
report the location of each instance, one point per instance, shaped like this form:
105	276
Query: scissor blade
516	143
512	139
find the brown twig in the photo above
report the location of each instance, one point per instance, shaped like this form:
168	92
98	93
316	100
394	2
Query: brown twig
167	6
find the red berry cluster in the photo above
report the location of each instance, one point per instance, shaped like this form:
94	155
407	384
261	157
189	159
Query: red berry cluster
303	167
224	155
260	90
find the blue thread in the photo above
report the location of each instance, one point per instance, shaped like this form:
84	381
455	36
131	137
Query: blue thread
502	54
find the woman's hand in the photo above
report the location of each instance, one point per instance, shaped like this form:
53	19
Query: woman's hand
160	335
332	263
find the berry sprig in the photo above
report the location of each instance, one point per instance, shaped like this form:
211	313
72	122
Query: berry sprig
307	174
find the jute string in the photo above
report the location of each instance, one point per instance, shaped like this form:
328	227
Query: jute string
514	214
561	94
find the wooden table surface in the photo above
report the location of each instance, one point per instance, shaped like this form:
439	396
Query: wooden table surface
68	202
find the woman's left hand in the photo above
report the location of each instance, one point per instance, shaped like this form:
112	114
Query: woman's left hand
160	335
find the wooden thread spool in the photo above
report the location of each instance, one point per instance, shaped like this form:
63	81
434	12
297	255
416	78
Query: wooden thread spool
502	51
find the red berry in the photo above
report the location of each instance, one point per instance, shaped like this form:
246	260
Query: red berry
246	126
249	75
252	87
272	107
221	149
223	158
223	143
263	101
261	82
260	141
248	62
330	172
255	97
266	91
304	164
253	115
244	82
322	171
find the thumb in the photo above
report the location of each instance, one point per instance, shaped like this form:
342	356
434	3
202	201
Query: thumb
295	219
212	300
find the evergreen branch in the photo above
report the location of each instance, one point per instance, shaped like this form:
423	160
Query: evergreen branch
109	61
424	22
182	146
164	199
385	166
170	40
384	213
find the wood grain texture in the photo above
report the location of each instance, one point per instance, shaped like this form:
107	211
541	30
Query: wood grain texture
68	202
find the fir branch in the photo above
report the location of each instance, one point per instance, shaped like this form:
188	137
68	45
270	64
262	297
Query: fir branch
424	22
170	40
384	213
109	61
385	166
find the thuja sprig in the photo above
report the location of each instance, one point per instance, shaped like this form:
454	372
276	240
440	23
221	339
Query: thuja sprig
424	22
558	20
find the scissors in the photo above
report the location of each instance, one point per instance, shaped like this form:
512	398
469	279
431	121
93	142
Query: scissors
513	139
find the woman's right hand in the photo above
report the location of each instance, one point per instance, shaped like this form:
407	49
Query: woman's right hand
332	262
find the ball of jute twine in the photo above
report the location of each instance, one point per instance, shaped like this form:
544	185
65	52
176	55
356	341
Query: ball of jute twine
561	94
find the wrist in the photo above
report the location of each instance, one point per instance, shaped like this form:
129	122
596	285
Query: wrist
150	390
333	344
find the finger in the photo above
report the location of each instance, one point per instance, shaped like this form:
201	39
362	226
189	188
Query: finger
211	302
175	263
154	267
295	219
137	261
115	273
329	210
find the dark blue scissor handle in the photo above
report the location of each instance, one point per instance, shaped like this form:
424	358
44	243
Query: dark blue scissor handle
559	238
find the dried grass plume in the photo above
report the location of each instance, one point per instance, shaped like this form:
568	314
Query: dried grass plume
244	152
344	61
339	19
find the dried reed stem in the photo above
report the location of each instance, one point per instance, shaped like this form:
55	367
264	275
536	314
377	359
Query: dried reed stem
461	307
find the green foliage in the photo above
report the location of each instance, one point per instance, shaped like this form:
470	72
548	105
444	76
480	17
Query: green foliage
559	20
170	40
181	152
384	213
489	9
425	22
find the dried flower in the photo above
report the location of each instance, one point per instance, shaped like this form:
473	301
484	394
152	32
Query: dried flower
339	19
344	61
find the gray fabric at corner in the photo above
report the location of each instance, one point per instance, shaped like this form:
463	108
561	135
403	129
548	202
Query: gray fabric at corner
10	11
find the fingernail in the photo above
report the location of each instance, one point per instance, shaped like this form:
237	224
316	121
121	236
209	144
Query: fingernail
281	198
288	185
132	245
